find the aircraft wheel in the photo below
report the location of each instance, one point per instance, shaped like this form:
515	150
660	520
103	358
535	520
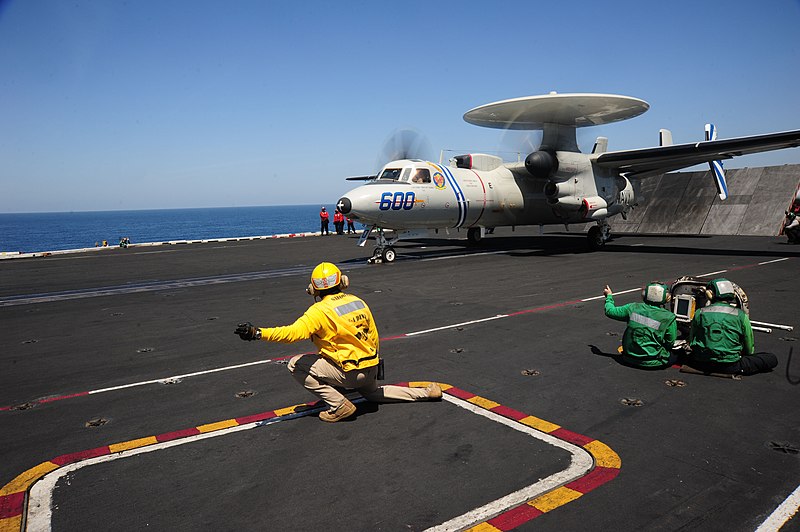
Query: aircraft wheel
474	235
595	236
389	254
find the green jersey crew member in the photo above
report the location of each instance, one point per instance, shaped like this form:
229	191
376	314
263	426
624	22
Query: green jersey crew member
651	330
721	337
344	332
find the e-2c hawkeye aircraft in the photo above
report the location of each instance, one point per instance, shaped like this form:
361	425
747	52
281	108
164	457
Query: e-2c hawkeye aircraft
556	184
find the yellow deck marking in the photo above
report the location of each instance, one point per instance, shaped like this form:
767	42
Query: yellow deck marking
603	455
539	424
286	411
554	499
132	444
24	481
12	524
228	423
483	403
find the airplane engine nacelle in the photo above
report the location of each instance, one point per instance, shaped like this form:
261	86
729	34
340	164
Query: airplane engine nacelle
594	208
561	193
627	194
541	164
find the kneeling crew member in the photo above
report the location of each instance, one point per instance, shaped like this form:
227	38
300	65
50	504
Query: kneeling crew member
721	337
343	329
651	329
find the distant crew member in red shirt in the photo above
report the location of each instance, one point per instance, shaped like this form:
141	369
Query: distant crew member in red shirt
338	222
323	222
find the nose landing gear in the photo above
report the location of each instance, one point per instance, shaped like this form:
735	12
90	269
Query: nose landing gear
384	252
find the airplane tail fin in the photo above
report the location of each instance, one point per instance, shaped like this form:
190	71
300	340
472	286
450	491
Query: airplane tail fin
600	145
664	137
716	166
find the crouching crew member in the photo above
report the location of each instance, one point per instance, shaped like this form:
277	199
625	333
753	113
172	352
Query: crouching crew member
651	329
721	337
344	332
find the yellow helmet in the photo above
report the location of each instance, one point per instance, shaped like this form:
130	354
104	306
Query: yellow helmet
326	276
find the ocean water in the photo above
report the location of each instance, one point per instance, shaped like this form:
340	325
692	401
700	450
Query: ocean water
54	231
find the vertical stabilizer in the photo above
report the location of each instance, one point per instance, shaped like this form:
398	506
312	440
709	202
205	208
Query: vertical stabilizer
716	166
600	145
664	137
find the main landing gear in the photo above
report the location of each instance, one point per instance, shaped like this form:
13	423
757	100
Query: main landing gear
599	235
475	235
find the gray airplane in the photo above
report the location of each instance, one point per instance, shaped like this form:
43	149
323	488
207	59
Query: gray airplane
556	184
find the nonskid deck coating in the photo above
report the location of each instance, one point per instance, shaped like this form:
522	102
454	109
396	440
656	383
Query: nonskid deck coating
574	388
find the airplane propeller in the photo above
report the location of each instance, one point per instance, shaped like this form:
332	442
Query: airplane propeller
519	142
404	144
539	163
400	144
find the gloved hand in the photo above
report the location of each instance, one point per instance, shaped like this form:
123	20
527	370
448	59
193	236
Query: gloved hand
247	331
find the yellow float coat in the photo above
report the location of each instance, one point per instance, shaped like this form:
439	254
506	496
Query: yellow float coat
342	328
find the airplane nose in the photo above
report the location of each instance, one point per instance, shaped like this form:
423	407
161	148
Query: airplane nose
345	205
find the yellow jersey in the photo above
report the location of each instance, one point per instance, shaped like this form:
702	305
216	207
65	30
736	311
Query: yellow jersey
342	328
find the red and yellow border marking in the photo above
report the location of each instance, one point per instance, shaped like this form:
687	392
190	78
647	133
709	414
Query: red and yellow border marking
13	495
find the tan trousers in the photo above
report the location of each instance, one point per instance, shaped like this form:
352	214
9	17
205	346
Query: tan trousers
319	377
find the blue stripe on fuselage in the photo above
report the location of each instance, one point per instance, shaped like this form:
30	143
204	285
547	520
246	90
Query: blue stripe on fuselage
460	199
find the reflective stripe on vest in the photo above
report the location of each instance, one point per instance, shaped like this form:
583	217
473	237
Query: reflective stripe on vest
721	310
644	320
347	308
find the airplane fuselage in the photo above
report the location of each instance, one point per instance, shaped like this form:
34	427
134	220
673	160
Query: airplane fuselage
491	195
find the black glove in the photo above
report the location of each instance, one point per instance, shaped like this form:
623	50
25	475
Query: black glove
247	331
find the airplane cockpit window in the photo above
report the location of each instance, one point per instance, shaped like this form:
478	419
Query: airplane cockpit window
421	175
392	174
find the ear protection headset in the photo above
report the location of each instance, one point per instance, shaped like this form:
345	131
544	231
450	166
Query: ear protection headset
656	293
719	289
324	277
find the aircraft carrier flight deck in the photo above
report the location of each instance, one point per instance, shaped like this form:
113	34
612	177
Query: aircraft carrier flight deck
126	401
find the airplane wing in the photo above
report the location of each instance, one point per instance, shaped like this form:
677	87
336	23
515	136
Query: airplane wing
648	162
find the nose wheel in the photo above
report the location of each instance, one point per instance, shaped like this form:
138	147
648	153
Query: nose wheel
384	252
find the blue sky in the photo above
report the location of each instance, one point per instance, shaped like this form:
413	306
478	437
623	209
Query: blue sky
110	104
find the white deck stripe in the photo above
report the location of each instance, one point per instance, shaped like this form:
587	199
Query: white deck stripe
782	513
185	375
712	273
613	294
499	316
771	261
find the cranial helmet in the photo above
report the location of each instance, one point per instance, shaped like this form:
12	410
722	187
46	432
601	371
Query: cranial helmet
656	293
720	290
326	276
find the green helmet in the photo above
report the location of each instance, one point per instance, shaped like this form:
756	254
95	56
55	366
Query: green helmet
656	293
720	290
